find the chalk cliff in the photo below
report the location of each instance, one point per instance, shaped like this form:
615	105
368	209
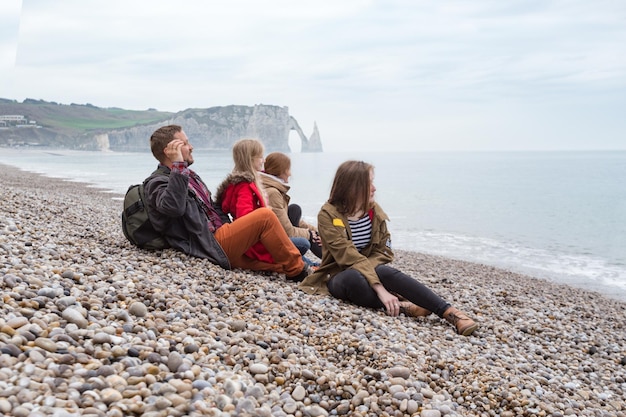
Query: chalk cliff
49	124
314	144
220	127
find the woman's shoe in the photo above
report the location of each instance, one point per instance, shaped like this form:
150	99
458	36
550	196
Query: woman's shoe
464	325
412	310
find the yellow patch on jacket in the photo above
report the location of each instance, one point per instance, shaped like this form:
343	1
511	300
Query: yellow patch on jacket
338	222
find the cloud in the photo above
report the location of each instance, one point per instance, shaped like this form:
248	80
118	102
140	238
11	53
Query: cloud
458	74
9	25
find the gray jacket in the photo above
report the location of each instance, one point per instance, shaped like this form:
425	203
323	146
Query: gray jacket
175	212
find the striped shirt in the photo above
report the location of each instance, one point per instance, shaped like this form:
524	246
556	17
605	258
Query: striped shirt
361	231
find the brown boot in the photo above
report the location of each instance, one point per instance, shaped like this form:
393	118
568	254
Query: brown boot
464	325
413	310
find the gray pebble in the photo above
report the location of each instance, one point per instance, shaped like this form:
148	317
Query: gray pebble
138	309
111	331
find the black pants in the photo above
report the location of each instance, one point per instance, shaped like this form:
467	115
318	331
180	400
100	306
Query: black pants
294	212
351	285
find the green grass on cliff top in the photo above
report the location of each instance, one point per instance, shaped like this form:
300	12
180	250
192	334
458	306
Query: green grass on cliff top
79	117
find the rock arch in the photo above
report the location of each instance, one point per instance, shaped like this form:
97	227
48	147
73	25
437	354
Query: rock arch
312	144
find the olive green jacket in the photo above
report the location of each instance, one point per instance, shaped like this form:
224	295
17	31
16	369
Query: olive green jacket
339	253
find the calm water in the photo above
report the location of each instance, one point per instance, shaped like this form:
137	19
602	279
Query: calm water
554	215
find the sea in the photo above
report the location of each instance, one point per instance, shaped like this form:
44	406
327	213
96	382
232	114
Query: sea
559	216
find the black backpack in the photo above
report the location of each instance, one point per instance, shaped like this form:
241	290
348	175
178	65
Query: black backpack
135	222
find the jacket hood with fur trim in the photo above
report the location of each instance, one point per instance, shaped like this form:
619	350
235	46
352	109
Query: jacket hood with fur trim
233	178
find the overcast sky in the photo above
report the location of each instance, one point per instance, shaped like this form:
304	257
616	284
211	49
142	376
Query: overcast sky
373	75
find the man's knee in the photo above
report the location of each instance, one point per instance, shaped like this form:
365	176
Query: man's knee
267	215
265	211
262	214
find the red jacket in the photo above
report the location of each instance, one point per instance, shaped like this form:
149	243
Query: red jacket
238	195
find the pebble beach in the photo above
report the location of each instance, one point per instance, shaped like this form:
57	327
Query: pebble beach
93	326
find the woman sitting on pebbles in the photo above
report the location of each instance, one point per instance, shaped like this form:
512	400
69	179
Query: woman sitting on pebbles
356	248
275	181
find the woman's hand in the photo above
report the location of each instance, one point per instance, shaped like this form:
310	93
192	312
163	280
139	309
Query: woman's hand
390	301
315	237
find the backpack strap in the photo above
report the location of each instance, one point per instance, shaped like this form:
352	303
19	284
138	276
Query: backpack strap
136	206
161	170
165	171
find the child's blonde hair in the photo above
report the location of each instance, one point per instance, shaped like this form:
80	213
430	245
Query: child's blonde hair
244	152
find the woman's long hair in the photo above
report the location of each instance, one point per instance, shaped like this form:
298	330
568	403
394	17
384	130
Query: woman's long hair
350	191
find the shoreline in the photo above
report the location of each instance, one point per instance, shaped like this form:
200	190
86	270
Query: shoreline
160	333
588	268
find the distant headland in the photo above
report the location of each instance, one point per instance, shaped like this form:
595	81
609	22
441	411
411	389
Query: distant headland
87	127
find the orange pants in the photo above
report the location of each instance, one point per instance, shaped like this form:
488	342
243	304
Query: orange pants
260	225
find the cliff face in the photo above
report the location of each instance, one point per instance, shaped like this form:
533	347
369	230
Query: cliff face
220	127
54	125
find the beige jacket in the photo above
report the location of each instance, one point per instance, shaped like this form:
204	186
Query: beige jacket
278	200
339	253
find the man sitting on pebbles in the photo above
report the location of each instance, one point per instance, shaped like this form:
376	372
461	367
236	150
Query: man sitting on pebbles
182	210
